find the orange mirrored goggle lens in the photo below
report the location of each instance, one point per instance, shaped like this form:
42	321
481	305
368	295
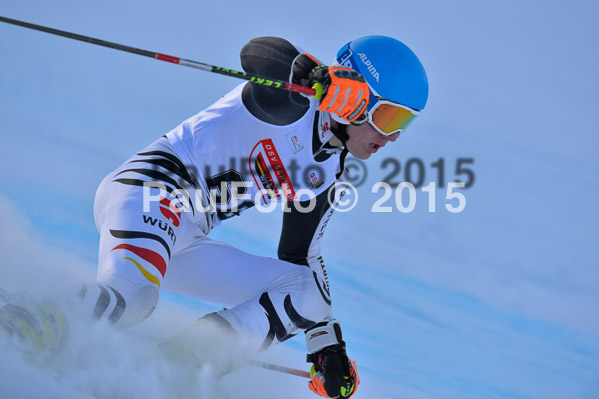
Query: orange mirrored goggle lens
392	118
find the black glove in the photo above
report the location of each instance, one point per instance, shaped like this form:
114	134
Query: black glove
341	90
333	374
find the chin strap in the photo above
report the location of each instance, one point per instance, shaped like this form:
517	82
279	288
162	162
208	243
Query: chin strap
324	132
341	130
341	133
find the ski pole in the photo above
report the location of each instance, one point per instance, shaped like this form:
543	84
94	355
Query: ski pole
281	369
279	84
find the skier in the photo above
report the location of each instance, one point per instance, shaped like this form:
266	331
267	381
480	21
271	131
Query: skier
255	146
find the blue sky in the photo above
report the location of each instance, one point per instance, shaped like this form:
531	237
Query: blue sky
497	301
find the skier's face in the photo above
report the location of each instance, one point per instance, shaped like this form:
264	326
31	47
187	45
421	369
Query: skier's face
364	140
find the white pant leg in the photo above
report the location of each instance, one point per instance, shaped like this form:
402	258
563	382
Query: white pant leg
270	298
136	244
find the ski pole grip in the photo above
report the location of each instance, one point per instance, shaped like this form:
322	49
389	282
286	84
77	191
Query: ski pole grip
319	91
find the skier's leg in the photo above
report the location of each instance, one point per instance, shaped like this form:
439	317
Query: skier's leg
271	299
136	244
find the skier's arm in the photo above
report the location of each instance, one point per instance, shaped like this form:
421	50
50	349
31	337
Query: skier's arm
344	91
333	373
302	232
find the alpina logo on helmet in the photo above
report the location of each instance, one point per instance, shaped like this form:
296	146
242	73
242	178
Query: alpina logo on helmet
345	59
369	66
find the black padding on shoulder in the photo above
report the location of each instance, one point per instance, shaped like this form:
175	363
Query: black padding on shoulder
271	57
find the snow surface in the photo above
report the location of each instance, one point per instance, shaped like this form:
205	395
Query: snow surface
499	301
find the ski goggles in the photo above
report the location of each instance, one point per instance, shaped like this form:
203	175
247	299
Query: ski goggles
388	117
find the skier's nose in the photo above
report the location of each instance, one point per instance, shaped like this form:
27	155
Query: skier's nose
392	137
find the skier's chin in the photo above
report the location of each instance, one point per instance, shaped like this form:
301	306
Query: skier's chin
360	154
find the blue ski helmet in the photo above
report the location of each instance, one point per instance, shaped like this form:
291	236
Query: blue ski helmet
391	69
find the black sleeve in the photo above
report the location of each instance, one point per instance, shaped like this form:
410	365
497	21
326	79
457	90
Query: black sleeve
302	231
271	57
